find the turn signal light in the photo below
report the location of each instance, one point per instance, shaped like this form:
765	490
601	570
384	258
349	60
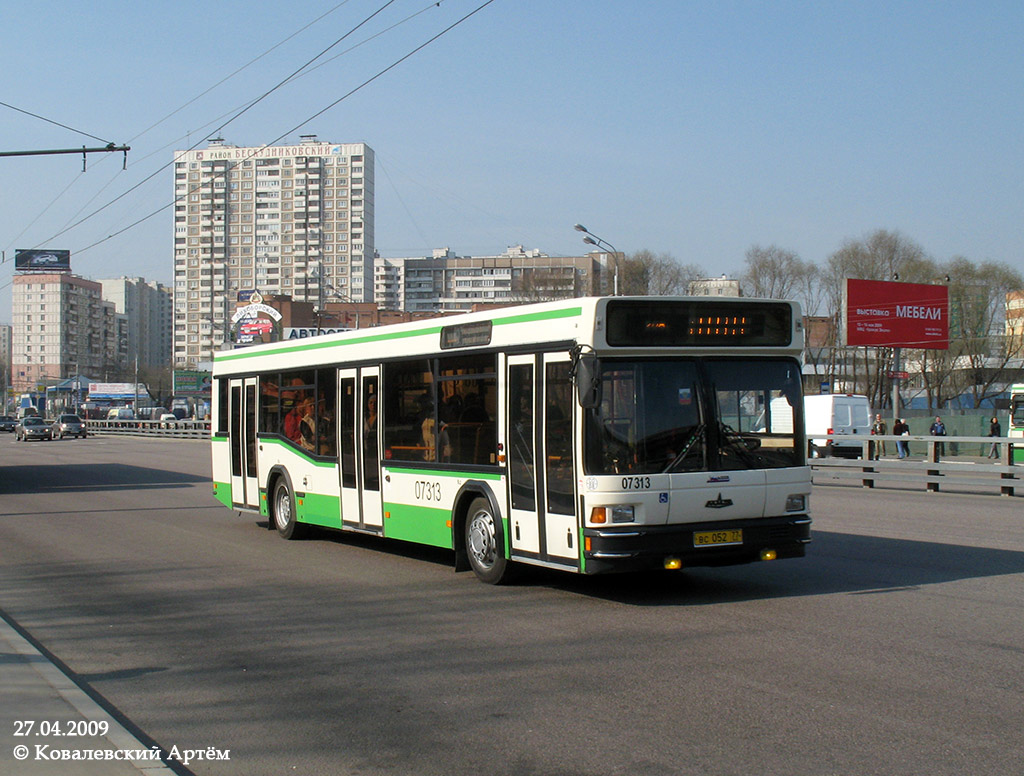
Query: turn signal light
769	554
673	564
598	515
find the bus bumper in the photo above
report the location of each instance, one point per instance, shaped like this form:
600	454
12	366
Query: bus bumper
642	547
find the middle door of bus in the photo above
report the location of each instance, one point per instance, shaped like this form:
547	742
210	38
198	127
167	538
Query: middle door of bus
540	458
245	490
359	446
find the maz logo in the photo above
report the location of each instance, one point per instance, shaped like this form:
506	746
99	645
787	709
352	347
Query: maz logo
719	502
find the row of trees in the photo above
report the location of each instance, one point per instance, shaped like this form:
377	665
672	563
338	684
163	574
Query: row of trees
981	359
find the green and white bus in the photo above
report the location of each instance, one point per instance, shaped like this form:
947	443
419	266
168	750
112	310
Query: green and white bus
590	435
1016	424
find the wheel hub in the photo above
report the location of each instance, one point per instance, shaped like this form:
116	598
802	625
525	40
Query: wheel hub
481	539
283	509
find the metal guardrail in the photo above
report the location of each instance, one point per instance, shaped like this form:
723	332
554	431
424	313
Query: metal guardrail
191	429
943	465
934	470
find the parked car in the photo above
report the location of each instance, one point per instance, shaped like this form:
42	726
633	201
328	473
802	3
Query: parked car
32	427
8	422
68	425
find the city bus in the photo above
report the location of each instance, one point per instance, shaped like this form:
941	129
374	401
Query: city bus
590	435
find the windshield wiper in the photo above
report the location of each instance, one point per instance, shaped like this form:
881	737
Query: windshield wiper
696	436
736	442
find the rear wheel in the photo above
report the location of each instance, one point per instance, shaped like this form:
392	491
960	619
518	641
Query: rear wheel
283	511
483	544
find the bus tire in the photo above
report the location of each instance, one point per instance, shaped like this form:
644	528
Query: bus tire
282	511
484	545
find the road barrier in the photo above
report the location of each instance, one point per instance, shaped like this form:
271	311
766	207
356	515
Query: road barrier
950	469
191	429
946	464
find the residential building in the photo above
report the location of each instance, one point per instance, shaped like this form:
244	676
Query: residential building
1014	323
5	360
287	220
148	307
445	282
721	286
62	327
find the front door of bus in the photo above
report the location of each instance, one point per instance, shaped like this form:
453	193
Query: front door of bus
542	508
359	444
245	488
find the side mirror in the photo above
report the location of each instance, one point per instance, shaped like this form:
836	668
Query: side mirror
588	382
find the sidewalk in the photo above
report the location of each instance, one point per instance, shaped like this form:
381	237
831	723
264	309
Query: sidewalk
40	705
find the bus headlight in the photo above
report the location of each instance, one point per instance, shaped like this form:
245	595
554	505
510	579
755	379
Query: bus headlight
796	502
620	513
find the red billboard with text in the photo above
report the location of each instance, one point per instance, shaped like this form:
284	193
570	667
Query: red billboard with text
884	314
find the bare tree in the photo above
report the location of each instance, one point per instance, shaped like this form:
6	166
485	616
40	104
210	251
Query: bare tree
645	273
977	301
772	272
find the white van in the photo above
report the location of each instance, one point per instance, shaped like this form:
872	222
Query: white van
836	414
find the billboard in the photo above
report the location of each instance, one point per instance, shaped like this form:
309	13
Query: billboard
42	260
880	313
194	383
116	391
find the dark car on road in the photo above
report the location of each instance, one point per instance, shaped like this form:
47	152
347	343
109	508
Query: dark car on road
8	422
31	427
67	425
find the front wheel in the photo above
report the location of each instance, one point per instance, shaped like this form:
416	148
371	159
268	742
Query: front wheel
486	555
283	512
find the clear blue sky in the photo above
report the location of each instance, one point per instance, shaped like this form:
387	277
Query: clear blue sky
695	129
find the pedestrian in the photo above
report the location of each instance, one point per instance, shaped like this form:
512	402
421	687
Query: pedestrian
901	429
938	428
994	430
878	428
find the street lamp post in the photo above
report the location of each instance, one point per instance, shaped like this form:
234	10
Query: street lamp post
597	242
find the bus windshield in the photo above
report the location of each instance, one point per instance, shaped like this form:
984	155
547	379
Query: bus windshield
684	415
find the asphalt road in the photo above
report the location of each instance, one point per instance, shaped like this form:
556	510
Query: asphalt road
896	647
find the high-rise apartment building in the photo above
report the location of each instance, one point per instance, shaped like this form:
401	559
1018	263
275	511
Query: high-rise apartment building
293	220
62	327
148	307
6	333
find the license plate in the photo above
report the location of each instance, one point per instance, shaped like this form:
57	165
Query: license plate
717	538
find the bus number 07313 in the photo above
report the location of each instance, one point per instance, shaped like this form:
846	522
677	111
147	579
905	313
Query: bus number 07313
428	491
636	483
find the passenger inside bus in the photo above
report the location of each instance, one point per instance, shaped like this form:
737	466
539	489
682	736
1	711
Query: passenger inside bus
293	420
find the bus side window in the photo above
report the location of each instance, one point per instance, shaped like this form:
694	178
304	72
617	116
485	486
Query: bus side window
326	399
408	410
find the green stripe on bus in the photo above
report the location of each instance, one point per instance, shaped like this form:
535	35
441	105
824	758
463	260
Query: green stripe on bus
222	492
424	525
318	345
568	312
319	510
443	473
299	452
